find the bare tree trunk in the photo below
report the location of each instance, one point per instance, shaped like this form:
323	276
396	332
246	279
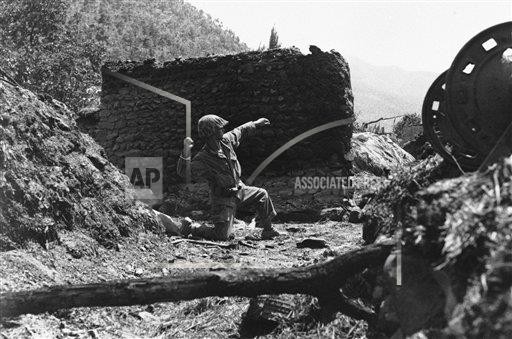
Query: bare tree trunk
321	280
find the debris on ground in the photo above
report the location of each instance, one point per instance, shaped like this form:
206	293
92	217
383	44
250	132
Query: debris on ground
146	254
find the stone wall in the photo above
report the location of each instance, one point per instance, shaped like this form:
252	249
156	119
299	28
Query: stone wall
296	92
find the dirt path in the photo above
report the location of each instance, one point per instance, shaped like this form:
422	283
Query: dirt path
78	260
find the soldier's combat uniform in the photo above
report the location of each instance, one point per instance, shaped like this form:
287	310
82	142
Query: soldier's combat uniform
221	169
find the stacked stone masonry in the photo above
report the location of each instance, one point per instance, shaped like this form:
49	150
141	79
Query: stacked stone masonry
296	92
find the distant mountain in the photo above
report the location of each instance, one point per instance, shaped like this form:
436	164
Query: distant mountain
385	91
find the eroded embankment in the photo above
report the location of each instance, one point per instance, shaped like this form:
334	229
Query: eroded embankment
55	178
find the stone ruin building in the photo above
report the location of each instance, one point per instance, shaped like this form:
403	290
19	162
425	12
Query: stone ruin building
295	91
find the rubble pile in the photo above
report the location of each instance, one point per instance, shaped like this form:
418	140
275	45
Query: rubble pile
55	178
456	250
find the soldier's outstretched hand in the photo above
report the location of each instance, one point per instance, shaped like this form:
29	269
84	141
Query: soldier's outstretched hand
262	122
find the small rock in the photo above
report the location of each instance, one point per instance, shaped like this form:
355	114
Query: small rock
330	253
312	243
93	333
293	229
146	316
70	333
139	271
355	215
334	214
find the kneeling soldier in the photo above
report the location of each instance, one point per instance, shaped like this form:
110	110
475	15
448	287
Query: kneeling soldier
217	163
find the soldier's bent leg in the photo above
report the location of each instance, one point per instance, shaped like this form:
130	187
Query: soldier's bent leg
259	198
222	229
223	217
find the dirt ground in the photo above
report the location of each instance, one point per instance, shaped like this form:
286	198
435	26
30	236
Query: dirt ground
78	260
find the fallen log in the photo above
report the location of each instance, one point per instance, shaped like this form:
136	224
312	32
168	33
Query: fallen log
321	280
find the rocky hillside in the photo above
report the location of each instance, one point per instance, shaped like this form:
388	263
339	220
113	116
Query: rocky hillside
55	178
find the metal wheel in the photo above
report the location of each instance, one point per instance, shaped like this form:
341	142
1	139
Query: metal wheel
438	129
479	88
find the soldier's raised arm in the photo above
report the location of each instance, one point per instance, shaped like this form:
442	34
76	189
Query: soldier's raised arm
238	134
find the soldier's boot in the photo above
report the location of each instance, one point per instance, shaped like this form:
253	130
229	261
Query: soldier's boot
219	232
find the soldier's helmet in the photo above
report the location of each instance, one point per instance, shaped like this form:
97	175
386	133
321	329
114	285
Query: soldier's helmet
208	124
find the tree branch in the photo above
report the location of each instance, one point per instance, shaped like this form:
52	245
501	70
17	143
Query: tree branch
321	280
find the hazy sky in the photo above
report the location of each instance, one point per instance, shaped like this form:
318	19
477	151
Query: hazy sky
414	35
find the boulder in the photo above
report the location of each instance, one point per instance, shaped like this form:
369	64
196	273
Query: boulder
377	154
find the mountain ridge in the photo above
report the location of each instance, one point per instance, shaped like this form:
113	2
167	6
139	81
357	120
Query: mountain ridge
386	91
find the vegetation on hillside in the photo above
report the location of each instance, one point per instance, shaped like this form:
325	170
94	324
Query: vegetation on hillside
274	39
57	47
458	226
